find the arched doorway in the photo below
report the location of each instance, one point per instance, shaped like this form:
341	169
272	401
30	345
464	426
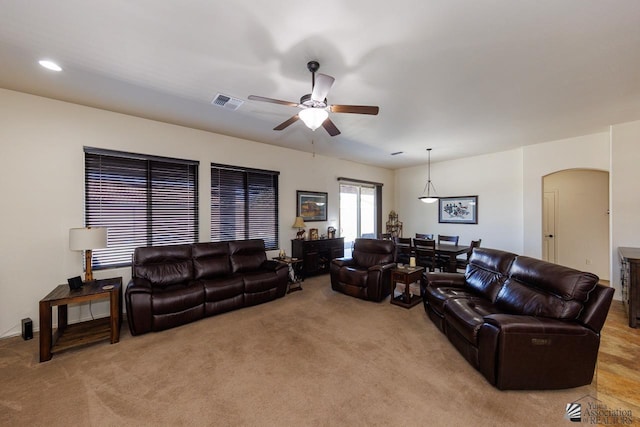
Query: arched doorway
575	220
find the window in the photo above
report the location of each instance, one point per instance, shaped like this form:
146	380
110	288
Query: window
244	204
360	209
142	200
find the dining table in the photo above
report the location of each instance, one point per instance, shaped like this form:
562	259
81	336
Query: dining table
451	252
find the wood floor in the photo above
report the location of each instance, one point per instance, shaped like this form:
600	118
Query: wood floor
617	374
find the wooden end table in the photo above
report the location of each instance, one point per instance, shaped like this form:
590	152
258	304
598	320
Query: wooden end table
407	276
295	273
68	336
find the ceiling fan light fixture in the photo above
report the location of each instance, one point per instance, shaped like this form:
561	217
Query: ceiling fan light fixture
313	117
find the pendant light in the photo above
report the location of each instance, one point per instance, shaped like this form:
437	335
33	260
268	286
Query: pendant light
426	193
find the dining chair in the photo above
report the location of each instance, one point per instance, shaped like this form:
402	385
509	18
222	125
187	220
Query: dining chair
443	260
448	239
404	250
461	263
425	250
424	236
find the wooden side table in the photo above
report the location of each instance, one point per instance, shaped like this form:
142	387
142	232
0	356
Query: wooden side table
296	276
407	276
68	336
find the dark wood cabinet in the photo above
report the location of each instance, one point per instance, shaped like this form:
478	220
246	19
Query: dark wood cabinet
630	283
316	255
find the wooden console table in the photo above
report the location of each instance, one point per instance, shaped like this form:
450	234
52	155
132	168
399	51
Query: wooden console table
630	283
68	336
317	254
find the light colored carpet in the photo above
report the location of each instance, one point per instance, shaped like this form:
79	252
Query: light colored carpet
312	358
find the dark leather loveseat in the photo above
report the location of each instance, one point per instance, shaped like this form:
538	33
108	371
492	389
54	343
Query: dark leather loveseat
367	274
177	284
522	322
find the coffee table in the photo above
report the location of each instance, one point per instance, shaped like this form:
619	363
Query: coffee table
407	276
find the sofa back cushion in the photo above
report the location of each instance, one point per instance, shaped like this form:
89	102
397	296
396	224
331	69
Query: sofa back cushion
370	252
211	260
163	265
487	271
540	288
247	255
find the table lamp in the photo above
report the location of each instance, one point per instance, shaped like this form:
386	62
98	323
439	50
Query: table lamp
300	225
85	239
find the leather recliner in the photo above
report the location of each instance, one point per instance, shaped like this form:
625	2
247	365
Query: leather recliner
367	274
522	322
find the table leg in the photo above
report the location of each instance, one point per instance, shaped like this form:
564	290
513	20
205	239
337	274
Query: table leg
45	331
452	264
114	315
62	318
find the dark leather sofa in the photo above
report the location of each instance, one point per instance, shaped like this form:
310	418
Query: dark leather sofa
176	284
367	274
522	322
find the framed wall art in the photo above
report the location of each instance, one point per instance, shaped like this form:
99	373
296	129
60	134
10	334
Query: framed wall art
458	210
311	205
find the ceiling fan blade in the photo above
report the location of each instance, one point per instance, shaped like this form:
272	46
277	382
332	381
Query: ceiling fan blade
321	87
330	127
271	100
358	109
287	123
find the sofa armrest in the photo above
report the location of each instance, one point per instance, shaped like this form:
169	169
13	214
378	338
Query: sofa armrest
453	280
342	262
138	300
273	265
137	284
382	267
534	353
519	324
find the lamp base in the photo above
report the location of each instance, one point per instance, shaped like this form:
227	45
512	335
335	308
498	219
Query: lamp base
88	275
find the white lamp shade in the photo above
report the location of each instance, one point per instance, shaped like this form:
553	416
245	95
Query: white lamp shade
81	239
313	117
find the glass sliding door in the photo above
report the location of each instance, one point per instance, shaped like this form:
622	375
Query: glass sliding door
357	213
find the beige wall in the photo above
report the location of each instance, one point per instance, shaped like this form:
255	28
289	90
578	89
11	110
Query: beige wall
495	178
625	192
582	225
42	188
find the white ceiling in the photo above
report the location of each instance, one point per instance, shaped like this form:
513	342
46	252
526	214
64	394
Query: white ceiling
464	77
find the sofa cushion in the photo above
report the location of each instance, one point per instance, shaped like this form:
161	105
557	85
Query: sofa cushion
466	316
437	296
247	255
211	260
177	298
352	275
223	288
163	265
487	270
540	288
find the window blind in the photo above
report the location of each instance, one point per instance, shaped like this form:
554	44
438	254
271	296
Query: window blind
244	204
142	200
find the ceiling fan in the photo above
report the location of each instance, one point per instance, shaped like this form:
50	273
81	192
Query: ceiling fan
314	105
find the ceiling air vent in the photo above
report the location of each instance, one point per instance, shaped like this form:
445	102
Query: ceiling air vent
227	102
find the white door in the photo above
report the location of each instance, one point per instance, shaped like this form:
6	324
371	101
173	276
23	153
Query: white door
549	238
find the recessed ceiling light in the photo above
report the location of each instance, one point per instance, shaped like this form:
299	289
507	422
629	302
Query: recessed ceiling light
50	65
